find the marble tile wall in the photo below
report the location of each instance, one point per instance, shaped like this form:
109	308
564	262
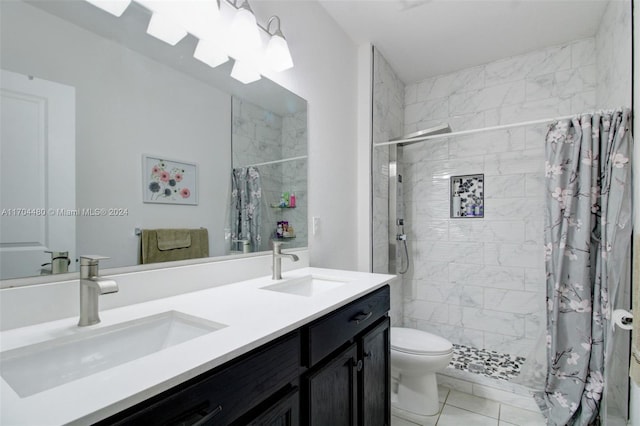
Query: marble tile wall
614	71
294	175
260	135
388	106
613	51
480	282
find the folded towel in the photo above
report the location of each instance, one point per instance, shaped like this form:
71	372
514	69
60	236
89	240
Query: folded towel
169	239
156	244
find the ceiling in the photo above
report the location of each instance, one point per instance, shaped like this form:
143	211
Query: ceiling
423	38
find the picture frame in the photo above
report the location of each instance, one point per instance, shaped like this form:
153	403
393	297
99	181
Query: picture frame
467	196
166	181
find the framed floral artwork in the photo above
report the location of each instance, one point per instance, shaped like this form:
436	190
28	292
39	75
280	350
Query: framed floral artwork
169	181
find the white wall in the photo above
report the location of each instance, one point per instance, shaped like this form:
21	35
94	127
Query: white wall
325	74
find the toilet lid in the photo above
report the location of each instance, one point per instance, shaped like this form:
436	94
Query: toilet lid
419	342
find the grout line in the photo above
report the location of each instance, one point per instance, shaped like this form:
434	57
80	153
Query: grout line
472	412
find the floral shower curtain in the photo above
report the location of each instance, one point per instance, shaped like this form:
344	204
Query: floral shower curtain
246	194
587	235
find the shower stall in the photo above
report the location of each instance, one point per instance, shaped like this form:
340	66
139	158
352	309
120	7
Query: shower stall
476	279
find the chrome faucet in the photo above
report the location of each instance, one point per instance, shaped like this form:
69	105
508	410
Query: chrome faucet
92	286
277	259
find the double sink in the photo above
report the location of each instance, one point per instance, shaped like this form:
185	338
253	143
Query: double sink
38	367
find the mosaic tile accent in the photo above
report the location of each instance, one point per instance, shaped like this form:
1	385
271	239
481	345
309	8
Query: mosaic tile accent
485	362
467	196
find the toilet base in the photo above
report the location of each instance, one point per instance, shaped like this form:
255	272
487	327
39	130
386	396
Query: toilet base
417	394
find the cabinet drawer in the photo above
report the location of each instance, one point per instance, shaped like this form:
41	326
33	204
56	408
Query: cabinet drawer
335	329
220	397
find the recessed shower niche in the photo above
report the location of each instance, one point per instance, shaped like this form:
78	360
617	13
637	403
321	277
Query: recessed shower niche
467	196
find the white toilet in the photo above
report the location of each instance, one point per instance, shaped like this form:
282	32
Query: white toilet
416	356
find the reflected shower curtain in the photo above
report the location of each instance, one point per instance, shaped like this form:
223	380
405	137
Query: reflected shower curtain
246	194
587	235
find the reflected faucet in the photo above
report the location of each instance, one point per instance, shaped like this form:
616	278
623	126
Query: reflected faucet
277	259
92	286
246	248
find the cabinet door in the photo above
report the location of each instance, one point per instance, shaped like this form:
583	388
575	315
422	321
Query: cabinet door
332	391
375	376
283	413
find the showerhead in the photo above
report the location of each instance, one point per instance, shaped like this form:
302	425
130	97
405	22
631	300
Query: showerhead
435	130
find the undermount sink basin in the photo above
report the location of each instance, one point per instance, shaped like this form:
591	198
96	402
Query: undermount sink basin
36	368
308	286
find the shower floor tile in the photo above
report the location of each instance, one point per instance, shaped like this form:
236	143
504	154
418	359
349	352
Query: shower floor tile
484	362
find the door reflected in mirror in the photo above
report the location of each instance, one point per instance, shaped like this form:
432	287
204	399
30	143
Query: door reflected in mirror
132	96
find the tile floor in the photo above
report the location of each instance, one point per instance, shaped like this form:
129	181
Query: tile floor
458	408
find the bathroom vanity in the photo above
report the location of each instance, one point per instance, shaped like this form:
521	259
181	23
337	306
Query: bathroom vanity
311	349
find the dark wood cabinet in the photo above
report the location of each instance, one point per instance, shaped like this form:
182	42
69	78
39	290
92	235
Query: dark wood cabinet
333	371
284	412
332	391
375	380
351	385
224	394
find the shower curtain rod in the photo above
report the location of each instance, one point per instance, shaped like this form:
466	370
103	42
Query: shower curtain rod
266	163
472	131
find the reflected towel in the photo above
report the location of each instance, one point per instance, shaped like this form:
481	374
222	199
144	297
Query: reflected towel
166	245
169	239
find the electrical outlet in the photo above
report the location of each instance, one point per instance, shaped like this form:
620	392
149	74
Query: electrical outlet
315	225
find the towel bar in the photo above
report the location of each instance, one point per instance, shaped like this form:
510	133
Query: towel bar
138	231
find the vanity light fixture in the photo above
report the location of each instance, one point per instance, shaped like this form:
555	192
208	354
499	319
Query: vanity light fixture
277	54
114	7
219	35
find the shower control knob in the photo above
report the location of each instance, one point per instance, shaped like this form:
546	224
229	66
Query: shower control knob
401	237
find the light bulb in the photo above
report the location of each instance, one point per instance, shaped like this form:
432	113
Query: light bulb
244	72
211	53
245	35
277	53
114	7
165	29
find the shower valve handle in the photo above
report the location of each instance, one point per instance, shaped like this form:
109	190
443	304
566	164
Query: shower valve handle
401	237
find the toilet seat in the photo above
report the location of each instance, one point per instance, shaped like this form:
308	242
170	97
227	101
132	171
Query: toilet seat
418	342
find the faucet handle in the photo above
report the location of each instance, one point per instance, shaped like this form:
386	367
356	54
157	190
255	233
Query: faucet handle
91	259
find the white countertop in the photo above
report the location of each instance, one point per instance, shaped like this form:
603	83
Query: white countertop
253	316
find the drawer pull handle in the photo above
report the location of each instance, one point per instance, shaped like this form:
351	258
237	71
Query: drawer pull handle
209	416
362	317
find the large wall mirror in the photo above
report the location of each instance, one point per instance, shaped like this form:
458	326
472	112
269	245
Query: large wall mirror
108	133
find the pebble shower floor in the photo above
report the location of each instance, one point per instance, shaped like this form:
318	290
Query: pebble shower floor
487	363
